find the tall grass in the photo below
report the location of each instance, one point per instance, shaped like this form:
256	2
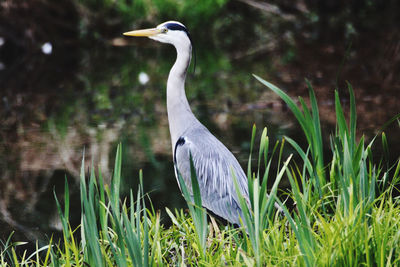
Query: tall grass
111	232
347	194
345	210
258	217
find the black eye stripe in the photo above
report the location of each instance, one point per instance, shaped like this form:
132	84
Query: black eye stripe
175	27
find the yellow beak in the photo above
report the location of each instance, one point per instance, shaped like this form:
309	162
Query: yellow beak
143	33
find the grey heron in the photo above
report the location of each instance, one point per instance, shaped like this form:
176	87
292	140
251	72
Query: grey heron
213	162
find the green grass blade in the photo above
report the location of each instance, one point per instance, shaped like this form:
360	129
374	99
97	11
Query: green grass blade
353	115
253	135
195	184
263	141
341	121
66	200
116	181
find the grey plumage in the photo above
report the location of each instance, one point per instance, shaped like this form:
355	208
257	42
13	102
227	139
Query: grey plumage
214	165
213	162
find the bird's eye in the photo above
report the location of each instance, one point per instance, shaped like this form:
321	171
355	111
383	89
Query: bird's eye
164	30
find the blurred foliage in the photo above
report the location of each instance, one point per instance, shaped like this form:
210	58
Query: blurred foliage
119	12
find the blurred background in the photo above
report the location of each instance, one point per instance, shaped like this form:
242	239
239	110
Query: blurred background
71	84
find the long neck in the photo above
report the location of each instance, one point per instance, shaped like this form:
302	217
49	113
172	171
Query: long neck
180	116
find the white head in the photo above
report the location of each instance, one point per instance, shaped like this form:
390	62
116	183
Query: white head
171	32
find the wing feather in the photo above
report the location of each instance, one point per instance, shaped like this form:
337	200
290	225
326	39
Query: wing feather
213	163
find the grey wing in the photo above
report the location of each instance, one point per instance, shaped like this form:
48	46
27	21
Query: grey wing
214	164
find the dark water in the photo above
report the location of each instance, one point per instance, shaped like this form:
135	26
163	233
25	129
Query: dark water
60	98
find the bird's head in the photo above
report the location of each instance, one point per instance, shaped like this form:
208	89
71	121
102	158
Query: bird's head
171	32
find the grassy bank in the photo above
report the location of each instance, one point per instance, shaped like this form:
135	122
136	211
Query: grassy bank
345	210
